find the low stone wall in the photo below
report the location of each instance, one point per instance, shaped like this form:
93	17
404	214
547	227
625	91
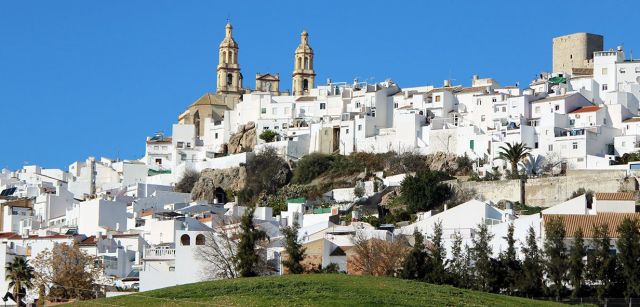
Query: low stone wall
549	191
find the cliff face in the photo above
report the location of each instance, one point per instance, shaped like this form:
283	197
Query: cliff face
243	140
229	179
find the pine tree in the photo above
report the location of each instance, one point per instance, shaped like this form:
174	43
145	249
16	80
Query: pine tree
629	255
295	251
510	261
247	259
576	266
437	274
481	257
531	266
601	263
415	263
555	251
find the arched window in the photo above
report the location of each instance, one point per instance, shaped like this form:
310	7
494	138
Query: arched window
306	62
299	63
224	57
305	84
231	57
200	239
185	240
229	79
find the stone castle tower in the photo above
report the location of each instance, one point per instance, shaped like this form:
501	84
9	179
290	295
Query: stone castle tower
574	52
303	73
229	76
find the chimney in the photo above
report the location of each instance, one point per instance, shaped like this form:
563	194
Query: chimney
447	83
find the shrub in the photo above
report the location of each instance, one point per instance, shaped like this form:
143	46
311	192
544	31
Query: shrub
311	166
268	135
465	165
580	191
266	173
188	180
425	191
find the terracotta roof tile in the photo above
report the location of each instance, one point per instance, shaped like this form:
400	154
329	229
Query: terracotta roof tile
586	109
616	196
631	120
586	222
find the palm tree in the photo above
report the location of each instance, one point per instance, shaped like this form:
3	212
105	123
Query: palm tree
514	154
19	274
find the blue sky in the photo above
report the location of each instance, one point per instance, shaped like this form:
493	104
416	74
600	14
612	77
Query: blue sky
81	78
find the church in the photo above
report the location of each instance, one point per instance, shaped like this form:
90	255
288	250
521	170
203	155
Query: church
229	87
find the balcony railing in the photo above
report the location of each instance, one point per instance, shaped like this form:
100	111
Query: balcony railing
160	253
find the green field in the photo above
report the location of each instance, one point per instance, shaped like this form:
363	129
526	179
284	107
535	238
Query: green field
313	290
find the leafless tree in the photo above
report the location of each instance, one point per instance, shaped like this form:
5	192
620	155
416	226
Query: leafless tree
219	249
379	257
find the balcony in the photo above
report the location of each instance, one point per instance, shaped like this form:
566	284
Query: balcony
160	253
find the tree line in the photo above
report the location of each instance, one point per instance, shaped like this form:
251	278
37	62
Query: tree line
557	268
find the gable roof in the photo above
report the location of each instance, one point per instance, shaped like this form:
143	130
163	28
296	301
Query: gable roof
586	222
585	109
616	196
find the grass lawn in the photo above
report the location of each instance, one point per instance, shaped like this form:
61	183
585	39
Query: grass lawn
313	290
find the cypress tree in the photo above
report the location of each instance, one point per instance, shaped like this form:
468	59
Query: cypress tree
555	255
531	266
247	259
481	257
415	263
510	261
437	274
576	266
601	263
629	256
456	266
294	249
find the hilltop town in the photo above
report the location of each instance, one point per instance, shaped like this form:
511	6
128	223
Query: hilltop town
345	165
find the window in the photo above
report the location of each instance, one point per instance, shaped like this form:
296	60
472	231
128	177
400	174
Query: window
229	79
373	113
263	110
572	122
159	161
395	105
550	147
323	106
574	145
537	109
200	239
604	121
624	144
605	87
580	159
535	145
346	131
357	104
622	70
185	240
180	144
504	109
156	147
604	71
438	98
284	126
305	84
494	99
216	135
482	118
479	102
471	144
188	145
360	127
557	107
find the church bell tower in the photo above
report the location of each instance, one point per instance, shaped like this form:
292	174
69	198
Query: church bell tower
229	76
303	73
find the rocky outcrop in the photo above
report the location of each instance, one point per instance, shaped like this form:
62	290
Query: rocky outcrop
440	161
243	140
229	179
